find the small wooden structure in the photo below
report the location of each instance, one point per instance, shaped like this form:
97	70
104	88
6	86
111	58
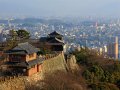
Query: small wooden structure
23	60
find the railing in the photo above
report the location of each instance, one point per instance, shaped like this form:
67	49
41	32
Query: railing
50	56
8	78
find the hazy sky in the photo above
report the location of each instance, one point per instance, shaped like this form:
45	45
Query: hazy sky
62	8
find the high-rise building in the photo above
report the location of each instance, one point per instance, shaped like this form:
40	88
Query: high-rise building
112	49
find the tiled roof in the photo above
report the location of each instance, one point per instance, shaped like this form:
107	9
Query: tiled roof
33	62
56	40
43	39
28	64
54	33
23	48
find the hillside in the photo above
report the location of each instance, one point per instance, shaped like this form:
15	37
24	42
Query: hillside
99	73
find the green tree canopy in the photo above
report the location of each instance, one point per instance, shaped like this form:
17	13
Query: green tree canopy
23	34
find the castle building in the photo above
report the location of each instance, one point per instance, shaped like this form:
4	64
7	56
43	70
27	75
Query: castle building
23	60
53	42
55	35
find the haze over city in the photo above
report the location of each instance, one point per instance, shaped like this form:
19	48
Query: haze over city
59	8
59	45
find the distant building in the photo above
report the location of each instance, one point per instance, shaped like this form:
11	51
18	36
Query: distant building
75	47
102	50
65	48
2	37
113	50
23	60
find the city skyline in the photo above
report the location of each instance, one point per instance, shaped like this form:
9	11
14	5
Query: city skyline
62	8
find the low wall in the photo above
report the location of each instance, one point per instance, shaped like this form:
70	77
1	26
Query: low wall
49	56
54	63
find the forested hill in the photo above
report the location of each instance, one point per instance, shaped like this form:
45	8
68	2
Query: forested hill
99	73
